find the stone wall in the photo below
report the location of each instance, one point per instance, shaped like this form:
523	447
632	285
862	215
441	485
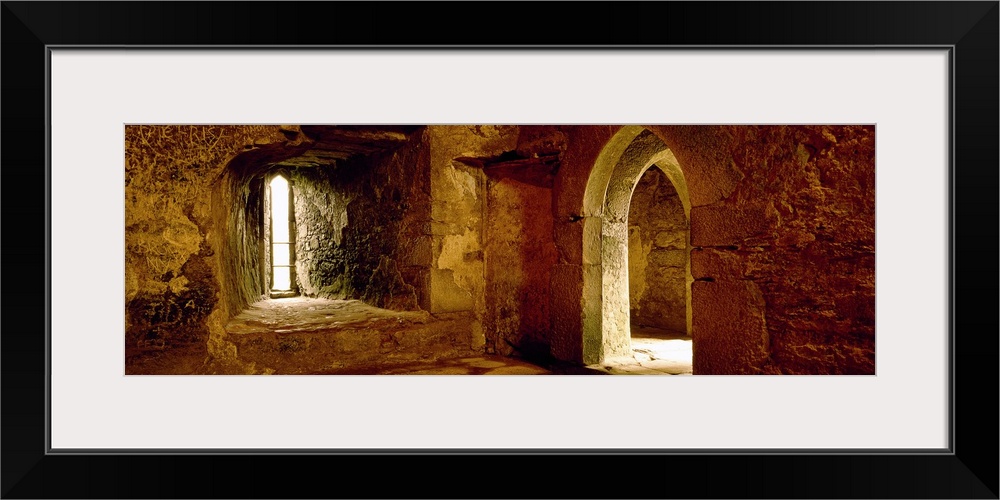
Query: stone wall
520	254
658	255
238	204
171	255
456	228
386	233
196	231
360	228
782	235
584	145
465	220
794	246
320	218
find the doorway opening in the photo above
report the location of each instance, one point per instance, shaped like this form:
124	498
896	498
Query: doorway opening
659	274
633	275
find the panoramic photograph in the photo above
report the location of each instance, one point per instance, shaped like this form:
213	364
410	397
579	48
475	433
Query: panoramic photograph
617	249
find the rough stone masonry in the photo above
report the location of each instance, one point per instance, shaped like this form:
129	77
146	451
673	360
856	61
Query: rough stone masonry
541	242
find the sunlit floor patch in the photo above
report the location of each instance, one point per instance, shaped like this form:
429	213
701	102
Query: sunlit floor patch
655	352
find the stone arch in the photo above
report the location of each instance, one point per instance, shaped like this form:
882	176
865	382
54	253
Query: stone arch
605	301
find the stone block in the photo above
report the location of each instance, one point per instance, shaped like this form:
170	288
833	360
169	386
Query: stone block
446	295
592	239
729	331
420	251
569	241
715	264
724	225
671	239
668	258
566	282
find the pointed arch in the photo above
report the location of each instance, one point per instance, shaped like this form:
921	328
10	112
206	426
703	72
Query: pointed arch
280	248
605	301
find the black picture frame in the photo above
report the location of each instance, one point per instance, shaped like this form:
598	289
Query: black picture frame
969	29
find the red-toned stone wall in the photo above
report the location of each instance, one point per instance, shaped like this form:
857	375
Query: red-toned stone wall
792	248
584	144
782	235
519	254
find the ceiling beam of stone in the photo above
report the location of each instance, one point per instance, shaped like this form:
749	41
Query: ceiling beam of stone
331	143
537	170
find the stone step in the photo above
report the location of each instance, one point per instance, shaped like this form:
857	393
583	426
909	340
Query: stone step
353	347
304	336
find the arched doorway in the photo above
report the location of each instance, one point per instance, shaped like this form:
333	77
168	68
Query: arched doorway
607	312
659	274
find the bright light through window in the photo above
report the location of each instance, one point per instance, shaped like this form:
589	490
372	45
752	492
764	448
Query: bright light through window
280	254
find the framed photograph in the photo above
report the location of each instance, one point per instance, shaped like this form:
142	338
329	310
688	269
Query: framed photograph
274	239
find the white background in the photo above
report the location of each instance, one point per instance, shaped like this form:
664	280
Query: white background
95	92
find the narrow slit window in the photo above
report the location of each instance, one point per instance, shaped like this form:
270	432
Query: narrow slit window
281	246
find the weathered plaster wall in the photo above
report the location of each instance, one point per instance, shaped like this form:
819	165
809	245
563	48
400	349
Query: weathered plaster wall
520	253
456	228
658	255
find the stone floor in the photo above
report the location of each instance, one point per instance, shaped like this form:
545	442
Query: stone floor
476	365
304	314
656	352
417	343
